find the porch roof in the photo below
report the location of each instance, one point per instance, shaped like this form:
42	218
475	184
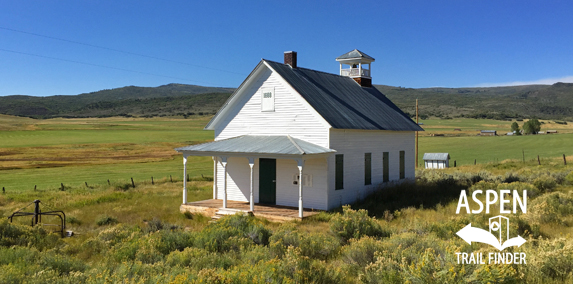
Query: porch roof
436	156
256	145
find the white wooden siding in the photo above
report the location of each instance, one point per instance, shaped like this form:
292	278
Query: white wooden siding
238	179
353	144
238	182
287	192
435	164
292	115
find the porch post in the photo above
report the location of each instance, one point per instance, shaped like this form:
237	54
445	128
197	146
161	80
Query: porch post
214	177
252	198
300	180
184	179
224	163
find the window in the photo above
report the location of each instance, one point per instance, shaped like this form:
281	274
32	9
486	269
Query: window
306	180
402	165
339	172
268	99
367	168
385	167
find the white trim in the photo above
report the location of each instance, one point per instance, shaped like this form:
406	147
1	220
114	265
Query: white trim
235	98
224	163
185	179
214	177
267	104
300	164
258	155
251	197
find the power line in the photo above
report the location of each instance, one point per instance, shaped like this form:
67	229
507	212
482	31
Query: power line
102	66
118	50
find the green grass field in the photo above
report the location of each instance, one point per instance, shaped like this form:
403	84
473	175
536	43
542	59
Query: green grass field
465	149
46	153
137	235
465	146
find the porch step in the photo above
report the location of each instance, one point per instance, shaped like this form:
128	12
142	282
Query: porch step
228	211
231	211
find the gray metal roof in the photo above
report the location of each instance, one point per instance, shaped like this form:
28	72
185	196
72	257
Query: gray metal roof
343	103
355	54
436	156
254	144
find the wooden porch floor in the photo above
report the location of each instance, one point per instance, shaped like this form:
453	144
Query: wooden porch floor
279	213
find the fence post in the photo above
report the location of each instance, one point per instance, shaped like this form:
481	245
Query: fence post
152	181
62	188
86	184
170	178
132	183
475	162
538	161
3	190
454	163
108	183
35	187
187	177
564	160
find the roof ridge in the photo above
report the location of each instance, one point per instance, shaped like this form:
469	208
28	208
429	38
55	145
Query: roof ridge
295	144
323	72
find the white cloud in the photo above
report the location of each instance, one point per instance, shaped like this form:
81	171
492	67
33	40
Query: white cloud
547	81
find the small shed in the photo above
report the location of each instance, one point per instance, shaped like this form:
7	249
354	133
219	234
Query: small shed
488	133
436	160
551	131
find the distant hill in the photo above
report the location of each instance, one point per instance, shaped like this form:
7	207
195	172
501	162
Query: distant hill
541	101
167	99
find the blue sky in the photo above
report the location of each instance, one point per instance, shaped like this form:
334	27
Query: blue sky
71	47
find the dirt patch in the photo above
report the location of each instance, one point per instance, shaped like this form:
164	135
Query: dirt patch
82	154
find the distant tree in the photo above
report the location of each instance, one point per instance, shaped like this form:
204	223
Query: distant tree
532	126
515	128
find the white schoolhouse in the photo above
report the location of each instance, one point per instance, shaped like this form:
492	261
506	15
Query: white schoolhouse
299	137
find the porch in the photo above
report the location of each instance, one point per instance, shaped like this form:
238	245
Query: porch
262	169
276	213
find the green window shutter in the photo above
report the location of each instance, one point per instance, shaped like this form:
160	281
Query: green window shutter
402	165
339	172
367	168
385	167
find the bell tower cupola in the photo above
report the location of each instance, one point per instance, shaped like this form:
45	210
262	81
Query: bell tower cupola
356	65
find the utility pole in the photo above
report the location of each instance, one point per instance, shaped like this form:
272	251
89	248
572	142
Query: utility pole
417	134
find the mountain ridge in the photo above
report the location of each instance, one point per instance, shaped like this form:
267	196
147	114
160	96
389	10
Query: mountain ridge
505	102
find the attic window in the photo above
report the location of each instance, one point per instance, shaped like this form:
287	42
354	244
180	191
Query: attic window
268	99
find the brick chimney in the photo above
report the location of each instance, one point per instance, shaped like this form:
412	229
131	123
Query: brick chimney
290	58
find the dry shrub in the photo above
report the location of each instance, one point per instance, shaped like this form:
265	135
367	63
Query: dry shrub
545	183
550	208
355	224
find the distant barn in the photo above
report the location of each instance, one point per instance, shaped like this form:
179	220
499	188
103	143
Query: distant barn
436	160
488	133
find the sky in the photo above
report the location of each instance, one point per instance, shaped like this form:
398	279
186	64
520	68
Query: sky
68	47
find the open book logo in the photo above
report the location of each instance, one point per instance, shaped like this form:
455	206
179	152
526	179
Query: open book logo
498	235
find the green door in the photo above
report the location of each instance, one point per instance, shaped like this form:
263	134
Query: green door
267	181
